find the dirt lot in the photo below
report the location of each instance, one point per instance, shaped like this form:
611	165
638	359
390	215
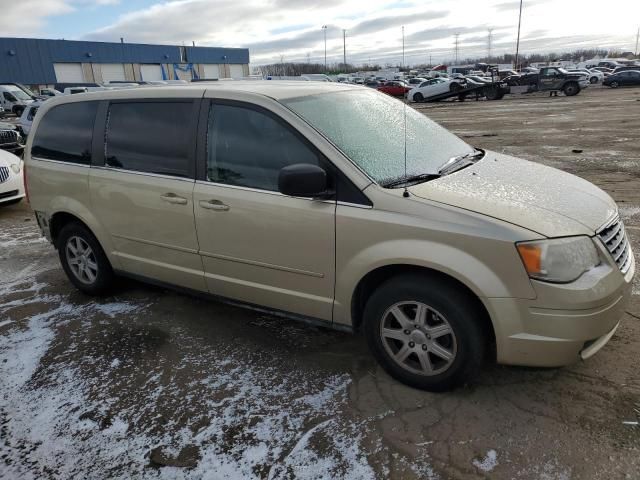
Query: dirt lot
153	384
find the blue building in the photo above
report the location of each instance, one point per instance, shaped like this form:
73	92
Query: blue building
40	62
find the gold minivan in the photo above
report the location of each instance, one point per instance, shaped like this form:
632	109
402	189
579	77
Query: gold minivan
338	205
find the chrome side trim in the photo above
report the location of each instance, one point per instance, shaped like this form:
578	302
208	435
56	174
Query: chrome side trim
262	264
156	244
144	174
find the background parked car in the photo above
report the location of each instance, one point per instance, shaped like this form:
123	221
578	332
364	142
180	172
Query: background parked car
623	79
416	80
626	68
11	179
396	88
10	139
26	119
430	88
594	76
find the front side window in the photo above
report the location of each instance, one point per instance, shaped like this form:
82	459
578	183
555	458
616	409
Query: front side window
65	133
151	137
248	147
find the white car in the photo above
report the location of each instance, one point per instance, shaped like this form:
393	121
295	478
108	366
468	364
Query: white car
429	88
593	76
26	119
11	178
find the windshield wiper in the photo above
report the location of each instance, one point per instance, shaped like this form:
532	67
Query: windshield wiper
461	161
411	180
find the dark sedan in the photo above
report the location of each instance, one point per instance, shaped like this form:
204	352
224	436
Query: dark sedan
623	79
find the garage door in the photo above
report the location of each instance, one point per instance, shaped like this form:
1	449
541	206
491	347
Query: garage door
68	72
237	71
112	72
211	71
151	72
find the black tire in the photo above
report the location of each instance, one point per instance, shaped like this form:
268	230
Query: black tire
104	272
418	97
570	89
455	87
492	93
593	80
457	308
18	111
614	84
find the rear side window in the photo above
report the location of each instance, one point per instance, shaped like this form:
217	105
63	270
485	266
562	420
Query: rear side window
65	133
151	137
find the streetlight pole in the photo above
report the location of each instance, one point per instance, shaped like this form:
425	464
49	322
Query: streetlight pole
637	38
324	28
344	48
403	46
518	41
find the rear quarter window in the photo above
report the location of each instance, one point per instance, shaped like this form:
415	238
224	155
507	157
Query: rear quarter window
65	133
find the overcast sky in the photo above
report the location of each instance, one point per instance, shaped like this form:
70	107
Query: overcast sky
292	29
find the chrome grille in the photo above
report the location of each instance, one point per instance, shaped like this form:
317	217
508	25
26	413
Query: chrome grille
8	136
615	240
4	174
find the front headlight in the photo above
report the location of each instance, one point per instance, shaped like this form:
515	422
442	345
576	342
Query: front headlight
559	260
15	167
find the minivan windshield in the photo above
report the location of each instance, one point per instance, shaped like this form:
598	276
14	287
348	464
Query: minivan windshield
369	128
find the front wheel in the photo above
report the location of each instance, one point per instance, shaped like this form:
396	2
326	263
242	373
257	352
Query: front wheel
614	84
83	260
418	98
571	89
18	111
425	332
593	80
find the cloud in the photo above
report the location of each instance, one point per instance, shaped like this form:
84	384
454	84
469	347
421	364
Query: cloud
27	17
383	23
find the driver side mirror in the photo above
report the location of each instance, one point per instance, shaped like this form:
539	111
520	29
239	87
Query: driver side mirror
303	180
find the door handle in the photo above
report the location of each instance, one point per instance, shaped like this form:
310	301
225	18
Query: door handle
173	198
214	205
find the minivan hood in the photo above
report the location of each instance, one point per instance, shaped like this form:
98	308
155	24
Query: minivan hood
545	200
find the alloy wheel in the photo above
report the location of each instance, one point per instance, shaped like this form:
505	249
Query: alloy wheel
418	338
82	260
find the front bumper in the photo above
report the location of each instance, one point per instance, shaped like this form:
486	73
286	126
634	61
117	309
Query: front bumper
565	322
12	189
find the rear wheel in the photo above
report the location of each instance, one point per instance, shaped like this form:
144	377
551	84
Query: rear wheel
455	87
425	332
593	80
83	260
418	98
571	89
614	84
18	111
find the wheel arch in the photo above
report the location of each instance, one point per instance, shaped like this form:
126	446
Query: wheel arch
63	217
376	277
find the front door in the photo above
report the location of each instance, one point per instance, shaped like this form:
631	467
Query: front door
257	245
143	194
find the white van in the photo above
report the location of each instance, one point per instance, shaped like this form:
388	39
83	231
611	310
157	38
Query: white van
14	99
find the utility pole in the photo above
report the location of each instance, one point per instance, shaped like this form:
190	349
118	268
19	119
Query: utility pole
344	48
457	45
403	46
489	41
324	28
518	42
637	38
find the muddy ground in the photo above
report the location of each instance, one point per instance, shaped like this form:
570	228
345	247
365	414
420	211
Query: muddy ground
153	384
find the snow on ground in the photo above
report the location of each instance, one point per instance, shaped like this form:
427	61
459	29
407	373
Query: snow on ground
488	463
87	393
